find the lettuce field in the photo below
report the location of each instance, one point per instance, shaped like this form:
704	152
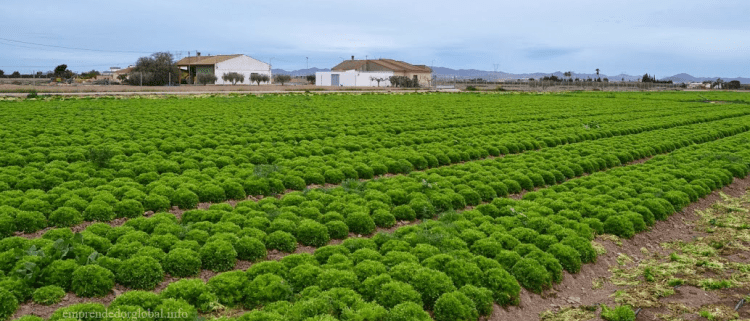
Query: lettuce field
366	207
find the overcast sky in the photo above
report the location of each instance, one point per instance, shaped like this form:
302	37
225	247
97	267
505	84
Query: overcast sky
662	37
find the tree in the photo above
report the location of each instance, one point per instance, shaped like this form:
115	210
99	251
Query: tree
403	81
258	78
157	69
734	84
15	74
310	78
282	79
62	71
233	77
205	78
2	73
597	72
378	79
568	74
122	77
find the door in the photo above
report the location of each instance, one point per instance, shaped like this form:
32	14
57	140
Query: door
334	79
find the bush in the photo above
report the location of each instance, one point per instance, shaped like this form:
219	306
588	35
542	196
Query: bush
30	222
281	241
395	293
92	281
251	249
482	298
206	78
8	304
337	230
531	275
193	291
182	263
360	223
408	311
455	306
128	208
140	272
185	199
312	233
48	295
228	287
265	289
218	256
65	216
620	313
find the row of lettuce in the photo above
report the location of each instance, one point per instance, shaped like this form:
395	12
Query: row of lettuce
63	194
455	267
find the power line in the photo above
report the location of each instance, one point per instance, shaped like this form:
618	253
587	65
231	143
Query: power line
72	48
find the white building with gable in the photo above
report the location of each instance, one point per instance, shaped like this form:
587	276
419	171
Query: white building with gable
222	64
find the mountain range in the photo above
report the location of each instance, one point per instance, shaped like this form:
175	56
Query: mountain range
443	72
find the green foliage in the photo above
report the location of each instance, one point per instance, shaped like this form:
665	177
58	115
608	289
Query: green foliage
48	295
482	298
182	262
620	313
229	287
218	256
92	281
282	241
395	293
360	223
192	291
8	304
531	275
312	233
140	272
455	306
266	288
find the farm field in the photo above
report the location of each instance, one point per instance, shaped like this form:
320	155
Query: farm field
343	206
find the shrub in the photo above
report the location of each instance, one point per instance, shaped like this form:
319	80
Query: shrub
128	208
250	249
531	275
8	304
265	289
408	311
282	241
455	306
360	223
620	313
312	233
140	272
337	230
182	262
395	292
30	222
218	256
92	281
193	291
228	287
65	216
48	295
482	298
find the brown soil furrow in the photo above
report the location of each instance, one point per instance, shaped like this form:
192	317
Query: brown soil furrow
576	289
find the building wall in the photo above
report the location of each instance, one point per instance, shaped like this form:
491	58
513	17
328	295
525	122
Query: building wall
244	65
353	78
424	78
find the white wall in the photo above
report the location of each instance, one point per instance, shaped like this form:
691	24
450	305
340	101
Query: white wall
244	65
353	78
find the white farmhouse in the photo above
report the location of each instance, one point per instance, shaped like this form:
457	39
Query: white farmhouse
220	65
353	78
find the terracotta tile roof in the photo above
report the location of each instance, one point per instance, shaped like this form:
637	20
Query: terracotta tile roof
205	60
124	71
393	65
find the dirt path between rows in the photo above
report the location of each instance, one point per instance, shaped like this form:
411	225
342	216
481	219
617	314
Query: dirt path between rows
576	289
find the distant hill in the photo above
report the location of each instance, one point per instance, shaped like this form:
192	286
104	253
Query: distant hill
443	72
